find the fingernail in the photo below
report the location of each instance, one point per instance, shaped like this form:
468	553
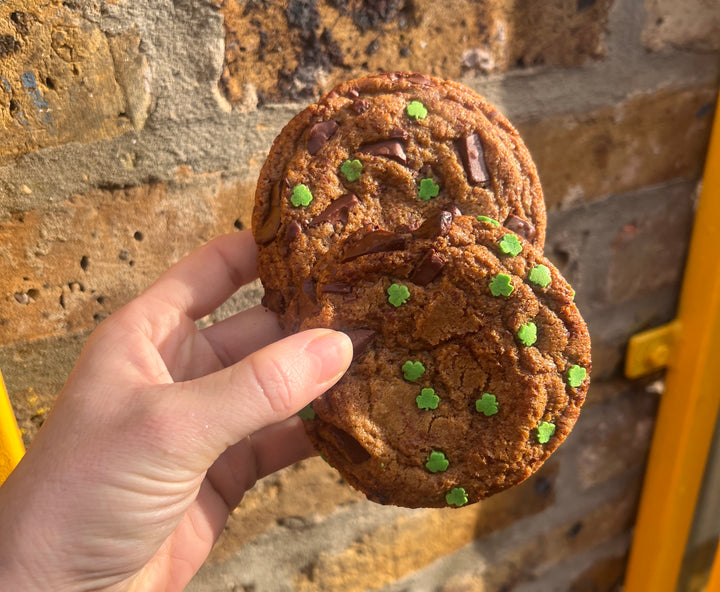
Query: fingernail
334	351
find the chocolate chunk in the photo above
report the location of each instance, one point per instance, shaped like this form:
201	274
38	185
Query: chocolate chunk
336	288
428	268
398	132
337	211
473	158
271	223
420	79
307	300
308	286
360	106
391	148
520	226
376	241
360	338
320	133
436	225
292	231
347	445
273	299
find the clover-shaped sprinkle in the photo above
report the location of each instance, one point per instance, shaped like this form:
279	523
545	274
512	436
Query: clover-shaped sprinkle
398	294
488	220
544	431
487	404
500	285
527	334
307	412
510	245
437	462
413	370
301	196
351	169
576	375
457	497
428	189
540	275
417	110
427	399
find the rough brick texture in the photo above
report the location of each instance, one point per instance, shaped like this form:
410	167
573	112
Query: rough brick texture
130	133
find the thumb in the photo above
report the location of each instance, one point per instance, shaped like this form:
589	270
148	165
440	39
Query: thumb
268	386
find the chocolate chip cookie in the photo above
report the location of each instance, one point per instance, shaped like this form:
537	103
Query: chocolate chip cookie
471	361
406	211
387	150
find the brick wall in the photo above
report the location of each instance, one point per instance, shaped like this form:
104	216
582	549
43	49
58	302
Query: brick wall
131	132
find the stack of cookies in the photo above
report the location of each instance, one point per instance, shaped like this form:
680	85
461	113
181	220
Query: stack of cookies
406	211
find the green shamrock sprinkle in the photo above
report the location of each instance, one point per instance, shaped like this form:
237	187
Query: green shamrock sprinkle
428	189
413	370
427	399
544	431
417	110
456	497
307	412
500	285
437	462
488	220
351	169
576	375
301	196
540	275
487	404
398	294
527	334
510	245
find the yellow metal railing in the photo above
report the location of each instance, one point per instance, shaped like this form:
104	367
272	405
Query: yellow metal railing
11	444
689	405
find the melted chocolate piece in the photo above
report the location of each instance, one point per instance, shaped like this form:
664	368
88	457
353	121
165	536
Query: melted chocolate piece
307	300
347	445
337	211
273	299
427	269
336	288
436	225
320	133
520	226
393	148
376	241
473	158
359	106
292	231
267	231
360	338
419	79
398	132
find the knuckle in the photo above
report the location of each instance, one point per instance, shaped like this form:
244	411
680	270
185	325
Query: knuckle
273	383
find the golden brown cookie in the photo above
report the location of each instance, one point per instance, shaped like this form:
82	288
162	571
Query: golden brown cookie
470	367
388	150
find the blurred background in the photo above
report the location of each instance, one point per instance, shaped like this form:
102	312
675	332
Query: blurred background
132	132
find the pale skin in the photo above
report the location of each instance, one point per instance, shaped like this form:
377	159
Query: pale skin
159	431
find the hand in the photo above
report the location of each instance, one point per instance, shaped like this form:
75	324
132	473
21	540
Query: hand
159	431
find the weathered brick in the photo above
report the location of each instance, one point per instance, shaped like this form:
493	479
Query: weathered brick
304	492
604	576
614	438
58	79
414	541
646	140
691	24
503	569
297	49
71	264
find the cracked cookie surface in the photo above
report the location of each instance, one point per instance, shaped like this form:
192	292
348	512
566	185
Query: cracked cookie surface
456	385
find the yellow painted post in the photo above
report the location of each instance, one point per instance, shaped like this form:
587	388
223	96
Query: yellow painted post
689	406
11	444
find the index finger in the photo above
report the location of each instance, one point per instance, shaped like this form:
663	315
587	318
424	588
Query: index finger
202	281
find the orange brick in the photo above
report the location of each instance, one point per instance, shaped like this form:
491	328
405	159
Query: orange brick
646	140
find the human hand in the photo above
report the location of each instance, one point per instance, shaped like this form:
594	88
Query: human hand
159	431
